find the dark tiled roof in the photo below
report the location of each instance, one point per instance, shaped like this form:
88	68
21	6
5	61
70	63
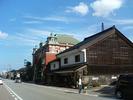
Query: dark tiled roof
88	39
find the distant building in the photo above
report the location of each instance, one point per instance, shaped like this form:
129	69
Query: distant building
10	74
47	52
100	57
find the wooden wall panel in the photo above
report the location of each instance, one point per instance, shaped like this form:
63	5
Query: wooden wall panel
111	51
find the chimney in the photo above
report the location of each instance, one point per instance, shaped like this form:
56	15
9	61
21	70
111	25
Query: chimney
102	28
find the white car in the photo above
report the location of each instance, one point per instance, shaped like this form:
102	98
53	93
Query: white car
1	82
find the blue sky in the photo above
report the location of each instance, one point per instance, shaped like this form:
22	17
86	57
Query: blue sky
25	23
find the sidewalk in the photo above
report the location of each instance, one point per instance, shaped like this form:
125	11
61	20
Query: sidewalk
103	91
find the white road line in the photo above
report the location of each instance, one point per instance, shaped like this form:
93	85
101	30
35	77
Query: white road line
16	99
11	91
13	95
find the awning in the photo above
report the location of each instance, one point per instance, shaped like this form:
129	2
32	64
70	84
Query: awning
60	72
71	69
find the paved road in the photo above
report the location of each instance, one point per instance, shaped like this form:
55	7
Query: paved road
4	94
26	91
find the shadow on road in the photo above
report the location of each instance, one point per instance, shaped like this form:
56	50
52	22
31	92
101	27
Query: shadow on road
71	92
107	91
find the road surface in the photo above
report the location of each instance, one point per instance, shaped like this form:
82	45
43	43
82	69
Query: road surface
4	94
26	91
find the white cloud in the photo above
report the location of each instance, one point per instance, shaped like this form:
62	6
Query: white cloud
104	8
122	21
50	18
3	35
82	9
56	18
32	22
39	20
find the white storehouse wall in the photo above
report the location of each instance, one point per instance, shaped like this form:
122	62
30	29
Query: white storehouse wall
71	58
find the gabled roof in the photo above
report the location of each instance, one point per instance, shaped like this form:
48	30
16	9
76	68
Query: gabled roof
95	36
124	37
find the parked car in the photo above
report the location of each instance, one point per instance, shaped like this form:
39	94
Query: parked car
1	82
124	86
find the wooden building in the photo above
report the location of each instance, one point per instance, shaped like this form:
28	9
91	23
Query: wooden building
100	57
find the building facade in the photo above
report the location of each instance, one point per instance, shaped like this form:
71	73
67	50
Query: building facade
98	58
47	52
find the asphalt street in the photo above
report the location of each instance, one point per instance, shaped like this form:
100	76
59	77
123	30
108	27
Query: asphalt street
4	94
27	91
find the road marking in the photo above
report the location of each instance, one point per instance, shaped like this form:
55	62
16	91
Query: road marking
10	93
13	93
16	99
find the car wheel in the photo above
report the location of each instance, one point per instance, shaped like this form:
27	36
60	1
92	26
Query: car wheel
119	94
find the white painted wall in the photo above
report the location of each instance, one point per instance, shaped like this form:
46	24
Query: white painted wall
71	57
56	65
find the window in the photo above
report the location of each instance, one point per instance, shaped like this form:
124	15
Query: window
65	60
54	66
77	58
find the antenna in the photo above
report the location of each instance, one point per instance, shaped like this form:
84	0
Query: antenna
102	26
